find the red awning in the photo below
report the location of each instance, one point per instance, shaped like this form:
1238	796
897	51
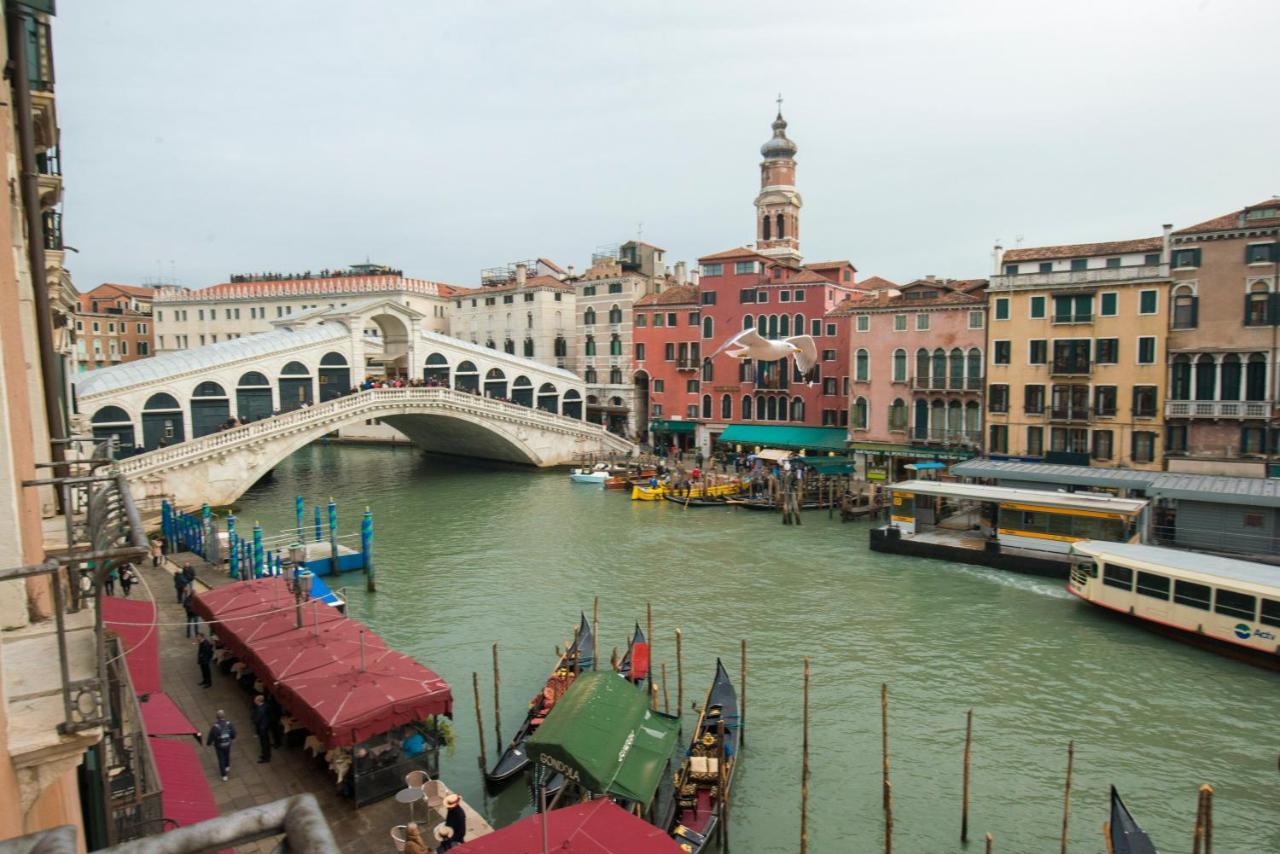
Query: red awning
596	827
248	612
187	797
255	595
161	716
300	651
134	621
342	705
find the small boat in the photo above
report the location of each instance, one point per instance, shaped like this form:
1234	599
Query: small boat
647	493
1125	835
714	501
578	657
634	666
701	780
597	474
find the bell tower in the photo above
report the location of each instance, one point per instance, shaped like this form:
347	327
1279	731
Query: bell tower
778	204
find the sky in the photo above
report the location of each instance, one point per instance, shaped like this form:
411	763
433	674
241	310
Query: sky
205	139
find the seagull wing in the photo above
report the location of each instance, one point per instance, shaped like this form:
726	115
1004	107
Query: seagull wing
745	340
807	355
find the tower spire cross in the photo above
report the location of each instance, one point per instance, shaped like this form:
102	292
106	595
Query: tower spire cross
779	103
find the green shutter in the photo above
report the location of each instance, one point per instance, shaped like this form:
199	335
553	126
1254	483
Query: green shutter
1109	308
1037	307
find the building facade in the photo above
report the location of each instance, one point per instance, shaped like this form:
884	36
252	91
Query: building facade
247	305
916	360
1076	339
114	324
1223	325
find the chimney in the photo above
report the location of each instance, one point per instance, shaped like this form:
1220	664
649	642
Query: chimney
997	253
930	277
682	273
1165	251
570	271
695	276
522	272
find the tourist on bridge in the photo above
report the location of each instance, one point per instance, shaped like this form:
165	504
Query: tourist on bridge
220	736
262	726
204	658
455	818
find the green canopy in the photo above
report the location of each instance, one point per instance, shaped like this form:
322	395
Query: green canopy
811	438
672	426
603	736
829	465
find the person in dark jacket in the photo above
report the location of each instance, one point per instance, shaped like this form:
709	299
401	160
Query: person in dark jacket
262	726
180	582
274	715
220	736
204	657
188	603
455	818
127	578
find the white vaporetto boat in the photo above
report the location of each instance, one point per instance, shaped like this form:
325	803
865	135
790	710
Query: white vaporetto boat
597	474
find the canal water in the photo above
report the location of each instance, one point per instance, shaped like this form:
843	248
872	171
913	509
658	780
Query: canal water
468	555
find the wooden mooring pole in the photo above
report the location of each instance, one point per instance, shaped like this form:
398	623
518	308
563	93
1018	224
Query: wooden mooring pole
497	700
1203	842
724	794
595	632
964	798
988	851
680	678
1066	795
804	768
648	609
742	706
1106	835
666	702
888	789
475	685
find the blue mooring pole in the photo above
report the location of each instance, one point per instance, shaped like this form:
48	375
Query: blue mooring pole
206	526
233	547
300	511
366	546
257	549
333	535
166	523
319	536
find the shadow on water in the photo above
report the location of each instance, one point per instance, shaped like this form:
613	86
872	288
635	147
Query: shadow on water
471	554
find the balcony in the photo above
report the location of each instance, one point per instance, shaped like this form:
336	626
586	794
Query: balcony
1223	409
688	364
965	438
50	178
1070	368
1060	319
957	384
53	231
1080	278
1069	414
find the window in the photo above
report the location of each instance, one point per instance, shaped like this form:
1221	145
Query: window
708	370
508	299
1252	440
1148	302
829	386
1011	269
922	321
899	366
975	319
1071	356
747	295
1185	308
708	297
1102	444
1046	267
1234	604
1191	594
692	386
862	366
1257	306
640	352
1144	446
111	328
1260	253
998	397
642	320
124	346
1038	351
1117	576
671	318
1144	401
784	296
762	296
528	297
1253	520
1033	399
1184	258
862	323
899	323
669	352
831	329
1037	308
200	313
708	327
1001	352
1035	441
1175	439
797	296
615	287
97	327
1002	308
589	317
656	410
1077	308
1104	400
1113	263
659	386
587	291
693	318
691	412
143	349
742	268
999	443
1270	615
1108	351
859	414
713	269
589	347
659	319
1151	259
726	407
1147	350
1079	264
828	355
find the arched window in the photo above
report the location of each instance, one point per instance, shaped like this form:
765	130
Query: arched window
161	421
939	368
589	316
615	314
253	378
771	407
208	388
726	407
955	419
528	320
767	226
708	328
615	375
760	413
590	345
862	366
782	231
495	383
1255	378
466	377
522	391
937	419
1258	310
1232	372
797	409
784	326
1185	308
973	371
1180	377
797	325
920	426
333	359
898	415
706	406
615	344
773	326
509	346
858	414
782	409
561	349
548	398
972	422
746	408
748	322
528	348
112	421
899	365
572	406
295	369
956	380
707	371
922	366
110	415
589	375
1206	377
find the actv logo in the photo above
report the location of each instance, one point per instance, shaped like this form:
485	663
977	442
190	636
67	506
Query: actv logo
1243	631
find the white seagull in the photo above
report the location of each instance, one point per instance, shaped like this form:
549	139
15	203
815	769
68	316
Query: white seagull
750	344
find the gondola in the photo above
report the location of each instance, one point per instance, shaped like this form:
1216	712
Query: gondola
701	780
697	502
766	504
1126	836
580	656
637	655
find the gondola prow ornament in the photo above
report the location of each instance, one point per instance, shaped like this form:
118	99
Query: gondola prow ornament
750	344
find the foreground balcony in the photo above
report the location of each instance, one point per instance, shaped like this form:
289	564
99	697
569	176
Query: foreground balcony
1224	409
1062	278
946	383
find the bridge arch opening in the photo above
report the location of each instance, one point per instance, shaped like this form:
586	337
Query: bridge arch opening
111	421
253	396
572	406
210	409
335	376
295	387
161	421
466	377
522	391
495	383
394	335
436	370
548	398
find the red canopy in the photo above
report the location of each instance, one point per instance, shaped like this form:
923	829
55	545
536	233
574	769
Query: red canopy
163	717
186	797
300	651
342	705
595	827
248	612
134	620
254	596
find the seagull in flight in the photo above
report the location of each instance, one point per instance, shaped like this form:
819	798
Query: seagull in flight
750	344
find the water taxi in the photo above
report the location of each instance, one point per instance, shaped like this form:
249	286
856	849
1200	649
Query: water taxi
656	493
1228	606
598	475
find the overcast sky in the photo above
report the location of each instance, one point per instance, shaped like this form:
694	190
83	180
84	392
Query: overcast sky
204	139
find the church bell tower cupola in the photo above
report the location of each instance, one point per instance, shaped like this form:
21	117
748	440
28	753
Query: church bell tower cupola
778	204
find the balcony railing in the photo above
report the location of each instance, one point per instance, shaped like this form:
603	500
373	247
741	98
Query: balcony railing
1137	272
1070	367
1218	408
950	383
53	230
968	438
687	364
1072	318
1069	413
47	162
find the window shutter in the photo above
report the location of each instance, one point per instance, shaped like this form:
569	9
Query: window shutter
1246	310
1273	308
1195	312
1133	445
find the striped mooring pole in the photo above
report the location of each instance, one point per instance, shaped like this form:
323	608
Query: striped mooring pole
366	546
233	547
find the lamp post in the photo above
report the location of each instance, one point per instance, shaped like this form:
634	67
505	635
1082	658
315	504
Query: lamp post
301	587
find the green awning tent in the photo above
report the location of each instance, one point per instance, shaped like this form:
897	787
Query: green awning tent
793	438
672	427
829	465
603	736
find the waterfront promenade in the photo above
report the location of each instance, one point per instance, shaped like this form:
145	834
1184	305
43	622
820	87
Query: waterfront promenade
291	771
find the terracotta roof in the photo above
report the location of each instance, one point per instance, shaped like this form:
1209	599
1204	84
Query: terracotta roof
546	262
1235	219
131	290
968	286
875	283
884	299
1084	250
531	282
806	277
679	295
827	265
852	303
739	252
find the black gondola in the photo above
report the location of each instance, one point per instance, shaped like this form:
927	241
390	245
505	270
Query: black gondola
580	656
624	666
1126	836
767	505
701	781
697	502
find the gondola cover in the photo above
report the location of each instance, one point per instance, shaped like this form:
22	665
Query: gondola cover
1126	836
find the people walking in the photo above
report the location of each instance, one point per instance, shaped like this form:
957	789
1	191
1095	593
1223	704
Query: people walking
127	578
188	603
180	581
157	552
220	736
262	726
109	583
455	818
275	715
204	657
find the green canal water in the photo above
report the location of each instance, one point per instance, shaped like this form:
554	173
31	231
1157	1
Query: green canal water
468	555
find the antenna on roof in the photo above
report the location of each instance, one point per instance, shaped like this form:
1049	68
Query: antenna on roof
1017	241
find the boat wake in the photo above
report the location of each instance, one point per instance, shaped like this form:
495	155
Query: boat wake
1046	587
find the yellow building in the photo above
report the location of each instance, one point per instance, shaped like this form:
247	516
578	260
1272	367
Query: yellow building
1076	353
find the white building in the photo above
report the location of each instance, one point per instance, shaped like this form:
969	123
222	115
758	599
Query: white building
518	313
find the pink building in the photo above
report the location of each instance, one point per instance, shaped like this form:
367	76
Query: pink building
916	372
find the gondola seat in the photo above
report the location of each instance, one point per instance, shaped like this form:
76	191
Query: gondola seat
704	768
